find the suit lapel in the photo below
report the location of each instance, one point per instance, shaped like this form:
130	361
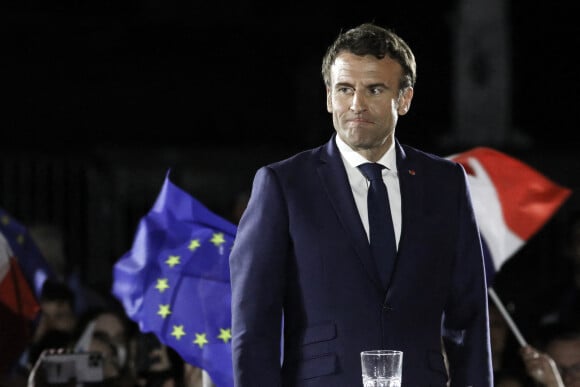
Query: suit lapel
335	181
410	182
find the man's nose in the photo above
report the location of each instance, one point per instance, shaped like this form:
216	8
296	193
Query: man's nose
358	102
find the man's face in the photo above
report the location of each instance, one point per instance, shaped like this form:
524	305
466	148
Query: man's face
365	100
566	354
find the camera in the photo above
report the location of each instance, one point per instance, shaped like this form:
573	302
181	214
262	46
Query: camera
81	367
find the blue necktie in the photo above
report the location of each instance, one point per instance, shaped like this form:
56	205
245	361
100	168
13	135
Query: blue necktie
381	231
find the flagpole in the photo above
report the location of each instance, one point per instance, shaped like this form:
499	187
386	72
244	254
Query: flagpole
507	317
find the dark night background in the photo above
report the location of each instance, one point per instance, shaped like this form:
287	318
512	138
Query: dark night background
100	98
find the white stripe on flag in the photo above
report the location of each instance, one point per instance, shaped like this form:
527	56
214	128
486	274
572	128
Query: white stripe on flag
500	240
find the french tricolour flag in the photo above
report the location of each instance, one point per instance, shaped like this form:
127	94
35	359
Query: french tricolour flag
511	201
18	307
23	271
15	292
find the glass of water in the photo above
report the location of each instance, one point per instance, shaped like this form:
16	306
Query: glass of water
382	368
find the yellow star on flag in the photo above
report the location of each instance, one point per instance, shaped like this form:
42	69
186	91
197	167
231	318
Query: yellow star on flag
173	260
178	331
5	220
200	339
164	310
194	244
218	239
20	239
225	335
162	285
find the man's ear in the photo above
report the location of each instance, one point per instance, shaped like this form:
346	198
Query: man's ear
328	100
405	102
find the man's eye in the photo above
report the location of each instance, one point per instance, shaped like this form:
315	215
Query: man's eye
376	90
344	90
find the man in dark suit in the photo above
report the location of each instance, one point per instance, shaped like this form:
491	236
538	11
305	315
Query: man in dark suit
308	295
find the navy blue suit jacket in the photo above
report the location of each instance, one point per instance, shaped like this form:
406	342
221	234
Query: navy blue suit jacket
301	255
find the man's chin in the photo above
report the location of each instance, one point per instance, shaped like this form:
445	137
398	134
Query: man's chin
358	141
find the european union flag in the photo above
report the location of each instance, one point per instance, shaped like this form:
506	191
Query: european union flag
175	281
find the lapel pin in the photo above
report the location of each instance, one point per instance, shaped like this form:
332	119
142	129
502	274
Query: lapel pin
412	172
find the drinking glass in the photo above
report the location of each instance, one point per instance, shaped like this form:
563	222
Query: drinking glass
382	368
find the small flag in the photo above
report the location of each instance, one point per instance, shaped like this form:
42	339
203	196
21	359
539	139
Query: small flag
34	266
18	307
15	294
511	201
175	281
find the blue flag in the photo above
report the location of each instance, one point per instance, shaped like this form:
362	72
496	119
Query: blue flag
175	281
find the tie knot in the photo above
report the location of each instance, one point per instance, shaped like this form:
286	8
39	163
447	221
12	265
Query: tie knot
372	171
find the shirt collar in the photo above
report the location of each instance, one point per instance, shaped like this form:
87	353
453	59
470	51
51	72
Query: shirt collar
354	159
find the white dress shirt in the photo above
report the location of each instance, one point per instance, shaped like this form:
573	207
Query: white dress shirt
360	185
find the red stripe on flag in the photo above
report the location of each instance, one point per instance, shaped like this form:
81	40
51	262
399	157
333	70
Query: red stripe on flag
18	307
15	293
528	199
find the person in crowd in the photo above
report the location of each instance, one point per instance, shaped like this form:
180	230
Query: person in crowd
56	324
507	366
157	365
112	365
107	329
316	279
555	360
57	309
